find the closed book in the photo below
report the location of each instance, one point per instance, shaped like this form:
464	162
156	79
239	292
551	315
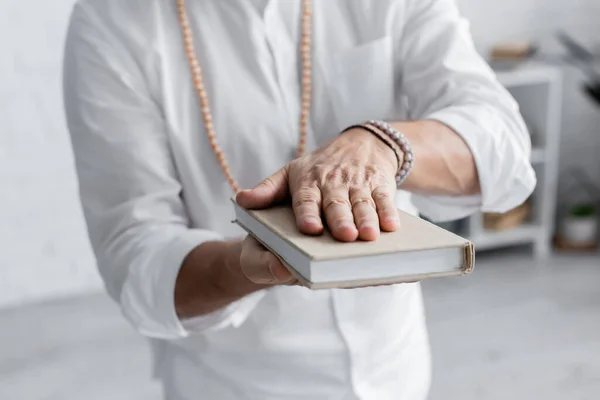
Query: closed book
417	250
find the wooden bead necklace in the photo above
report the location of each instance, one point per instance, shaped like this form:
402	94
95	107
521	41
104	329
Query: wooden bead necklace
306	53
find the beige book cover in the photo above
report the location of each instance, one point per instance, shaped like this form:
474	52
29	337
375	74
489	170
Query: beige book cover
414	235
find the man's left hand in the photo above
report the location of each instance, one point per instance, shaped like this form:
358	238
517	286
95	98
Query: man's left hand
351	182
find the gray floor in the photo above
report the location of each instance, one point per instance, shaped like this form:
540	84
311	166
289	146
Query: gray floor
514	330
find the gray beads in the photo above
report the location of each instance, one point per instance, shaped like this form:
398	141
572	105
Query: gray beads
404	145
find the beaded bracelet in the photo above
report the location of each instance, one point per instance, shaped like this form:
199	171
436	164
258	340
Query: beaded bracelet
396	141
402	142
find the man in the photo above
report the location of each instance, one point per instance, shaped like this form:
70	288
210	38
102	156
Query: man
173	106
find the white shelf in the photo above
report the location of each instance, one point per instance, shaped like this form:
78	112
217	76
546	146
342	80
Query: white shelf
524	234
538	155
537	89
529	74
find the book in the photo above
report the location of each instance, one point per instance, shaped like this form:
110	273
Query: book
417	250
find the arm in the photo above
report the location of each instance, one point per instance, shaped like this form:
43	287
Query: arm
209	279
217	274
130	192
471	145
445	163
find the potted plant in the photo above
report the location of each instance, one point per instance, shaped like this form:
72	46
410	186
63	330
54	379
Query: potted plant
579	227
579	220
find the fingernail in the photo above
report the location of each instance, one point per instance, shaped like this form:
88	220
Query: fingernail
312	221
368	225
259	274
345	225
243	193
392	219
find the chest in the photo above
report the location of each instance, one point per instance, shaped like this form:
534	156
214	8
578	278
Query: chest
252	68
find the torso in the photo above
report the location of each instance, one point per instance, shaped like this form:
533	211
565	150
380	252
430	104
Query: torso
345	344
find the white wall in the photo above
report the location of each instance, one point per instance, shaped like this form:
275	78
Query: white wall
44	250
539	20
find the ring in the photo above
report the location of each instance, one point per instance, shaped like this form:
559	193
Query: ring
362	201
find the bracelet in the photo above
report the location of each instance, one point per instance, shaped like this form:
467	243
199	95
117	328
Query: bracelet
396	141
402	142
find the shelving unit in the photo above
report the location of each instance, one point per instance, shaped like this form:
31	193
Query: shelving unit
538	90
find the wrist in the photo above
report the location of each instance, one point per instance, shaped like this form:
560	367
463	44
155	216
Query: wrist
401	145
375	141
209	279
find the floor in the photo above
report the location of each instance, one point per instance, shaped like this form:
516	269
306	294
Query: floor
515	330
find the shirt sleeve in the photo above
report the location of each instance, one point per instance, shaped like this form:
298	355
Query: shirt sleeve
128	183
445	79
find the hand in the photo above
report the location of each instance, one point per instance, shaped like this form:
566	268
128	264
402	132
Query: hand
260	266
215	274
350	181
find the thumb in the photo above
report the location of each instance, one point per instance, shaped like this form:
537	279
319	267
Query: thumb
262	267
267	193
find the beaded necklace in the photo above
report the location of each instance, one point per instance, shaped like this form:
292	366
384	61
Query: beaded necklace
306	53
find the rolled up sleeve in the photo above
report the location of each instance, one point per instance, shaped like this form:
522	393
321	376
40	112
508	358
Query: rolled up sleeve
445	79
129	187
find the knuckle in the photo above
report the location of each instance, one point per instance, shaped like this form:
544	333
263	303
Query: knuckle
336	201
358	201
352	178
320	169
355	162
381	195
268	183
304	184
308	181
374	173
372	170
336	174
304	199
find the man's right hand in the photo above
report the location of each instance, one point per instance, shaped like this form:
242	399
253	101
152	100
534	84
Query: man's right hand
216	274
261	266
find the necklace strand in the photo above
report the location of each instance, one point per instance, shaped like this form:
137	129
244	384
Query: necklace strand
196	70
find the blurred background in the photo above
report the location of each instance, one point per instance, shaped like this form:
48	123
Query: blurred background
526	325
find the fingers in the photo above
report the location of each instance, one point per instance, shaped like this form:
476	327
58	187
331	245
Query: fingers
270	191
306	202
386	209
261	266
338	214
365	214
358	213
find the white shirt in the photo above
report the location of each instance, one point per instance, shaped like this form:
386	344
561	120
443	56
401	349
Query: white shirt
152	189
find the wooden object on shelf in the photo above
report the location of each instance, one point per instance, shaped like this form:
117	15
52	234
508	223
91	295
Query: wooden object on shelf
508	220
564	245
512	51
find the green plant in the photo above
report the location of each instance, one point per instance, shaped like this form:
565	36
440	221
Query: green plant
583	210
